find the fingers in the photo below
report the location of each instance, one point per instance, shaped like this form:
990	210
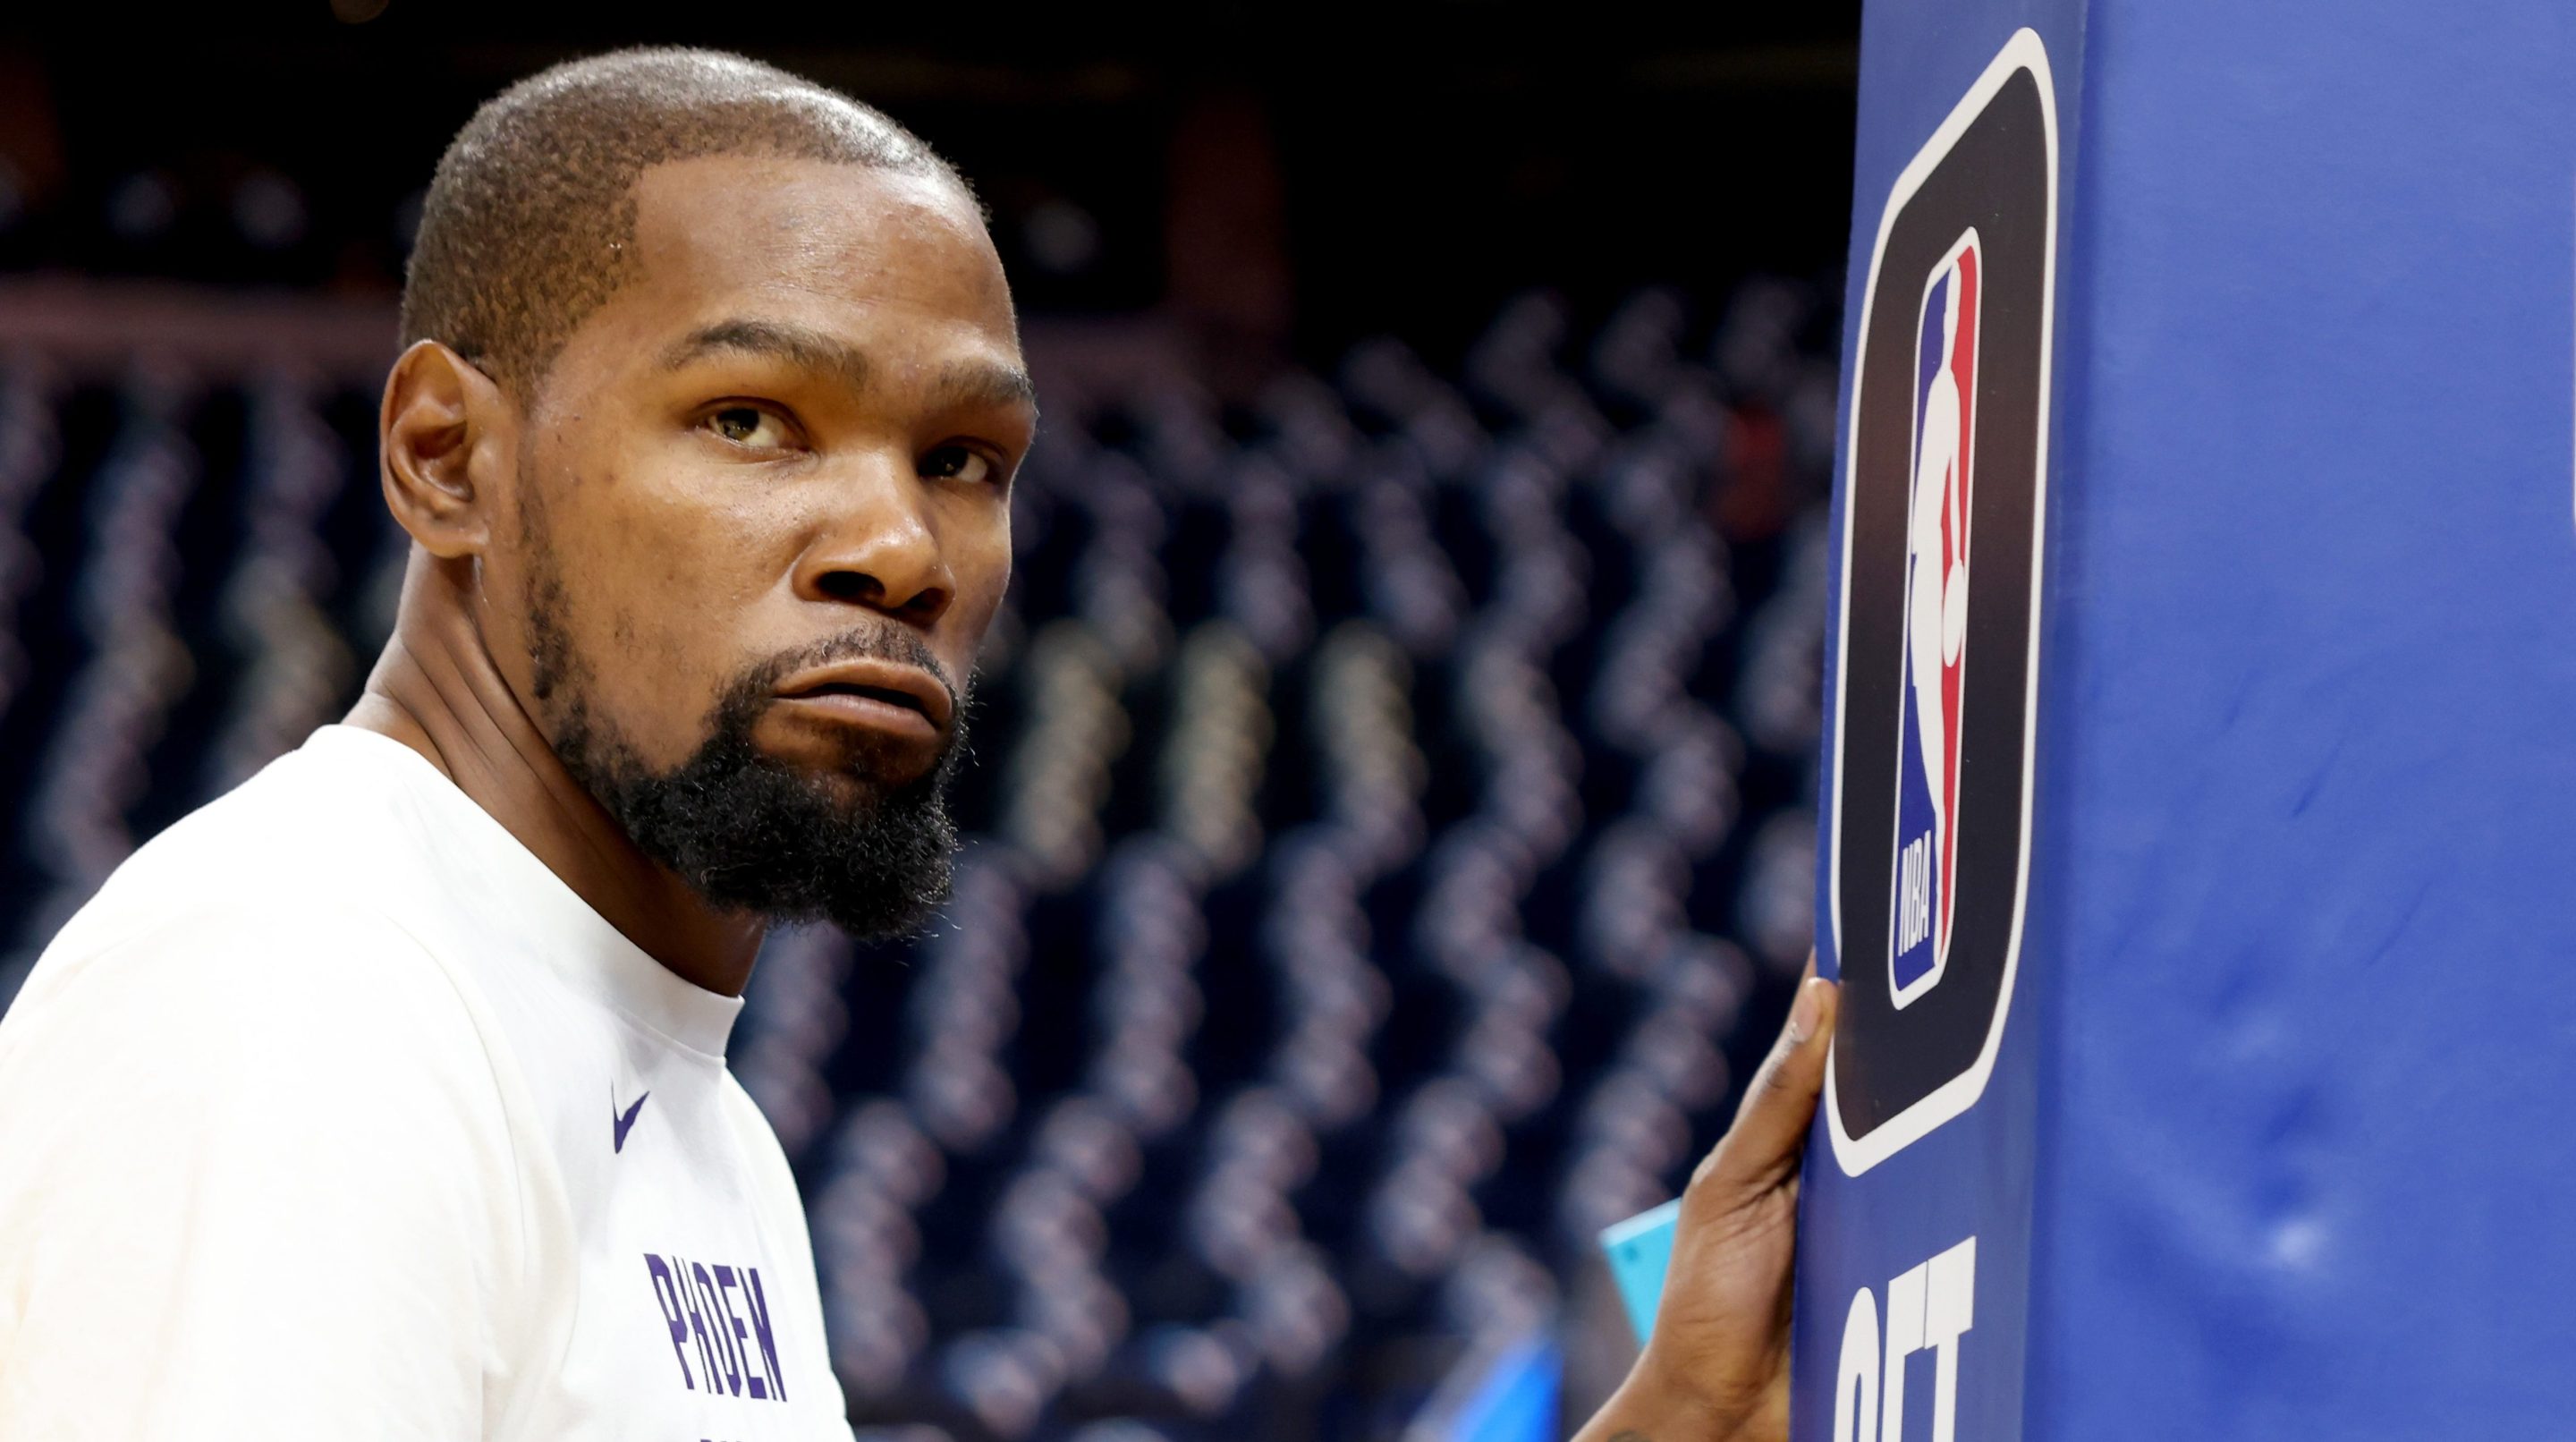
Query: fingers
1771	1122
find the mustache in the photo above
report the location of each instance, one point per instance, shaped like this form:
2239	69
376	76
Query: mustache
880	641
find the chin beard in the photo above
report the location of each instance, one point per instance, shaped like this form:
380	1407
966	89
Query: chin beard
749	833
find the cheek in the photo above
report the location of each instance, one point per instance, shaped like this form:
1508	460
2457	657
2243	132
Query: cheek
657	593
979	559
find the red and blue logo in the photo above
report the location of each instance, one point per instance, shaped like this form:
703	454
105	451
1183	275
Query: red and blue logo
1935	651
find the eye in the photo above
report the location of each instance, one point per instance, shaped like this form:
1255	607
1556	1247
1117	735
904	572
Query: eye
749	426
972	467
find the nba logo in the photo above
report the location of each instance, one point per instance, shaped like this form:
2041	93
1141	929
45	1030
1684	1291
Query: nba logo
1934	655
1936	624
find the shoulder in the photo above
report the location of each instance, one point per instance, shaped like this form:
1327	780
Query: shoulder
292	1072
237	1126
315	1012
252	959
325	1032
291	896
304	834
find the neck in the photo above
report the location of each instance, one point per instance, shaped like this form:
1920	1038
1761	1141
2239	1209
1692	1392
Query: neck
436	690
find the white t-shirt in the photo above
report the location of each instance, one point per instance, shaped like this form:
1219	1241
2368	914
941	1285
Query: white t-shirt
337	1115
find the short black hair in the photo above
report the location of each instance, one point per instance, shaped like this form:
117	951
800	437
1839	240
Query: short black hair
530	219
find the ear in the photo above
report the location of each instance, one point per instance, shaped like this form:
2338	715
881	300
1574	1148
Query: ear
447	434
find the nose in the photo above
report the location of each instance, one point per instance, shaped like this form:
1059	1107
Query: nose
879	546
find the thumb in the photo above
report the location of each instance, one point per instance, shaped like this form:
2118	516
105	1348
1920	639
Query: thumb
1762	1148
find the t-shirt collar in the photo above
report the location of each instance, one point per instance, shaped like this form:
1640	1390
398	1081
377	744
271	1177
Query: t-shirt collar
493	866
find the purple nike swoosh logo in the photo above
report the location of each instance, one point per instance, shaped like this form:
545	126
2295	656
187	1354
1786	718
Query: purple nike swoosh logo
626	1121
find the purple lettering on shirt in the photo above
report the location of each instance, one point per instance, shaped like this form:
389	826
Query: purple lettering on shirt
697	1319
725	1344
757	1303
669	1298
725	1283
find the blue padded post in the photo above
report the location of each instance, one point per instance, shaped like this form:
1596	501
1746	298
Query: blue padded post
2274	1138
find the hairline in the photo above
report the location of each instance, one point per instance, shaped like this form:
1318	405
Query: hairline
557	158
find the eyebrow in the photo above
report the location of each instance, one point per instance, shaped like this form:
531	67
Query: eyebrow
963	382
987	383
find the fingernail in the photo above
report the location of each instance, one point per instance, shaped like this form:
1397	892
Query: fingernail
1802	1012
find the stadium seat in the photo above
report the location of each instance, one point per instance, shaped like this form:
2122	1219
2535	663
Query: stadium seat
1391	813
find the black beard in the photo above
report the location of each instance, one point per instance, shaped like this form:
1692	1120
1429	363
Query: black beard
748	833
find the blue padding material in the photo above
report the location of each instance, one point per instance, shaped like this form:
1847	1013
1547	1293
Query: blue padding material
2306	841
1972	1177
2300	898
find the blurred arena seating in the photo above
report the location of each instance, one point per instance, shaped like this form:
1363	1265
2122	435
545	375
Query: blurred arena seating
1390	837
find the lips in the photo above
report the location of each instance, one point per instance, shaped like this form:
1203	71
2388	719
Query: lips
888	694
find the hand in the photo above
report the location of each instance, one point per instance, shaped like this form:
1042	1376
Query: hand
1717	1366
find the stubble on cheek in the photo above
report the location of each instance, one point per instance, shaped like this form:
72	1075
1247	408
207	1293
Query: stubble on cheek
620	594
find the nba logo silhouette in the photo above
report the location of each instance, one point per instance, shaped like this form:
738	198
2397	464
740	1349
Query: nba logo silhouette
1936	624
1935	650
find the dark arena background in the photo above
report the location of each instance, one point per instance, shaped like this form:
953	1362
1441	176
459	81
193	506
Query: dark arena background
1392	809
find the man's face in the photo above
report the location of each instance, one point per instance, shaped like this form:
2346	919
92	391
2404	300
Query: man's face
762	526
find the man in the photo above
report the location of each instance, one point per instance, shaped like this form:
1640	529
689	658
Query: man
385	1097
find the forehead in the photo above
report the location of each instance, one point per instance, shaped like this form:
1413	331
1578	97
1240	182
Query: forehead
845	247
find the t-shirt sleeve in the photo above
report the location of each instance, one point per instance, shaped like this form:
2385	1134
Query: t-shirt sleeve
255	1181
